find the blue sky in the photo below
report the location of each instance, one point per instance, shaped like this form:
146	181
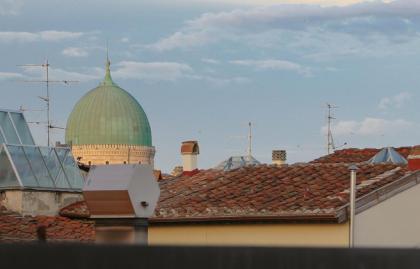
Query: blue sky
204	69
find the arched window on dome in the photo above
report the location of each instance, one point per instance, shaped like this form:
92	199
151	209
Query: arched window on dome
106	162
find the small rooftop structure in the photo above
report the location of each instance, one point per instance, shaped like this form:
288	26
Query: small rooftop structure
35	167
23	165
189	155
121	191
388	155
236	162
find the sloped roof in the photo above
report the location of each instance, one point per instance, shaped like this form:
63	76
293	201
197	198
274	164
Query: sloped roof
353	155
75	210
15	228
388	155
290	193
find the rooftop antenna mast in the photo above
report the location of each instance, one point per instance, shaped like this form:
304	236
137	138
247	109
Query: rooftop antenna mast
330	138
46	98
250	140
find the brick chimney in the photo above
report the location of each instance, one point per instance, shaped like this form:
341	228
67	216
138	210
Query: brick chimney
189	152
414	159
279	157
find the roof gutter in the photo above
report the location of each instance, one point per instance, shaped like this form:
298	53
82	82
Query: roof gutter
309	218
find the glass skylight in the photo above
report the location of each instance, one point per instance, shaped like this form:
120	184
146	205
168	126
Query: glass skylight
35	167
236	162
24	165
14	129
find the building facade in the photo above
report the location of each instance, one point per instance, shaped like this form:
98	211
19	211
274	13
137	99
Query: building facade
108	126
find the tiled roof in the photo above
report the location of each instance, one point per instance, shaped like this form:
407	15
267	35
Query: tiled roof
353	155
296	192
15	228
75	210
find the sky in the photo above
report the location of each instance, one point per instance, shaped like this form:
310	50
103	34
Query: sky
202	70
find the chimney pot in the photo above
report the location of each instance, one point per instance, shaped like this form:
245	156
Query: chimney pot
189	152
279	157
414	159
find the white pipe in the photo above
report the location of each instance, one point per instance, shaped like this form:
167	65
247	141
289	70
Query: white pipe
353	170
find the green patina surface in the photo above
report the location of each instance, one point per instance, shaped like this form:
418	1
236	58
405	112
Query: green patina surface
108	115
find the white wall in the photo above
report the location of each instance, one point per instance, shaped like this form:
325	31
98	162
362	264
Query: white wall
392	223
35	203
189	162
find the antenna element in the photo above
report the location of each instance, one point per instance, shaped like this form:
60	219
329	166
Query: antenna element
330	139
250	140
46	98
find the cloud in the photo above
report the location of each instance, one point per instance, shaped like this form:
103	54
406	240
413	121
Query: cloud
301	16
151	70
184	40
31	72
396	101
10	7
274	64
210	61
167	71
25	37
350	28
145	71
75	52
368	127
271	2
219	81
9	75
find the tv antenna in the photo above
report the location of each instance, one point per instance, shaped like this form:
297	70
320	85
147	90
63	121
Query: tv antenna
47	98
330	139
250	140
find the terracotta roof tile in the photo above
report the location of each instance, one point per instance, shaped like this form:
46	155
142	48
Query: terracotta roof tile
353	155
263	191
76	210
15	228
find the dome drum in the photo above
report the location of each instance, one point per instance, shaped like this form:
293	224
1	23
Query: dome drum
114	154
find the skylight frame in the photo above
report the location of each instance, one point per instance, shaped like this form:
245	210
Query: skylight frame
22	185
15	129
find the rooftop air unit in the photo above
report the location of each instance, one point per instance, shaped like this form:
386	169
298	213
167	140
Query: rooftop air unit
121	191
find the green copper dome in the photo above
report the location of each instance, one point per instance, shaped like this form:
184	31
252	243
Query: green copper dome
108	115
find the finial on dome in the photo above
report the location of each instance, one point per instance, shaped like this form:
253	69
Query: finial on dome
108	79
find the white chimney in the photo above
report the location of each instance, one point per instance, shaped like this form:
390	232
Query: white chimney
189	152
279	157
